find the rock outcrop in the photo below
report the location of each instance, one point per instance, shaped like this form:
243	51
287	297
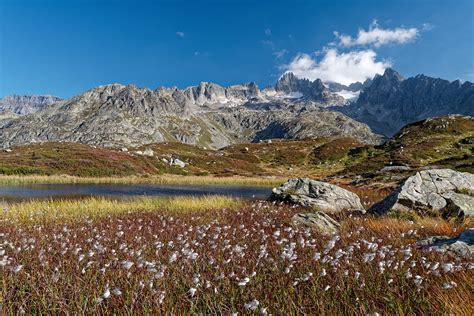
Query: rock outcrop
318	195
462	245
442	191
318	221
291	86
26	104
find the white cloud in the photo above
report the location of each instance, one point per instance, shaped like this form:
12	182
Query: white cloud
269	43
268	32
280	53
378	36
344	68
180	34
427	27
200	53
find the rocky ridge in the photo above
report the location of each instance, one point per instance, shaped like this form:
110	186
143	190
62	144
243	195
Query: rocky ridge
214	116
390	101
206	115
26	104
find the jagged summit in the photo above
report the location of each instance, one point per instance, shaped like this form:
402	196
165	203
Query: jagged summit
315	90
391	74
392	101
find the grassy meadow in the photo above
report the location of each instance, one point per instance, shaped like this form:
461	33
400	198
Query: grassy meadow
220	255
217	255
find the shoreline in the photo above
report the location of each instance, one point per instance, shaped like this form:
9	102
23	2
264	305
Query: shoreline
7	180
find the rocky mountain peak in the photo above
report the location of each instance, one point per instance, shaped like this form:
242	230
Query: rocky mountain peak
26	104
392	75
383	85
311	90
289	83
392	101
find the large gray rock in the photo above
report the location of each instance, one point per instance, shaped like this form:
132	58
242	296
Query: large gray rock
319	195
318	221
462	245
443	191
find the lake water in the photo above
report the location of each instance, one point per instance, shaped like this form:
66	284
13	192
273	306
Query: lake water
37	191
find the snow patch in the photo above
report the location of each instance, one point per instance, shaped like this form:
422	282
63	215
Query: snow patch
291	95
349	95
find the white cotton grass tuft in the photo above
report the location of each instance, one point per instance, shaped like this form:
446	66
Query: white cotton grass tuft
127	264
244	282
252	305
192	291
17	268
449	285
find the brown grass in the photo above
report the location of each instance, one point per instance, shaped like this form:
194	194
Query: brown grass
52	267
163	179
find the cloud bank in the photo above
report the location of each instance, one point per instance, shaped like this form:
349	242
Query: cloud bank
338	64
378	36
344	68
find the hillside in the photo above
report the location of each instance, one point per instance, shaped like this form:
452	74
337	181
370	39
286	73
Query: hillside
441	142
444	142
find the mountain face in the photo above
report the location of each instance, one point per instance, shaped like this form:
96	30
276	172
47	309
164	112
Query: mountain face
22	105
353	87
391	101
206	115
315	90
213	116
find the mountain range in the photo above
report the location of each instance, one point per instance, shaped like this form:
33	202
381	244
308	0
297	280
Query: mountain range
390	101
213	116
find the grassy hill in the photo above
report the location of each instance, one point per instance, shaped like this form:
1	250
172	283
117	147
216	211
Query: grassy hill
443	142
440	142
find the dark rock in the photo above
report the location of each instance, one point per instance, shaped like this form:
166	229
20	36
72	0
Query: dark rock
462	245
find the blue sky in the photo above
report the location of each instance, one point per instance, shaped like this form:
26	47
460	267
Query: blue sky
66	47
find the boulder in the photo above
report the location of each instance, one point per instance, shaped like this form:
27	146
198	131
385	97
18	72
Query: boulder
443	191
178	162
148	152
462	245
318	221
394	169
319	195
